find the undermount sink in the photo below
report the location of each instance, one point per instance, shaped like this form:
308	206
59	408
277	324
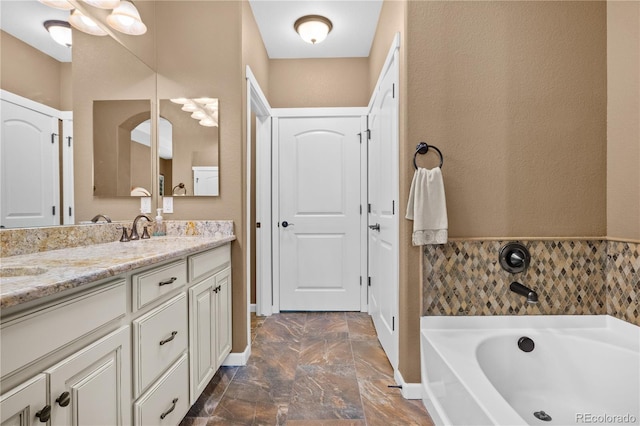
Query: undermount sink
20	271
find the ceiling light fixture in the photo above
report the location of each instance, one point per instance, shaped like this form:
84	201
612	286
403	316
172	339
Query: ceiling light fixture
58	4
313	28
81	22
60	31
126	19
103	4
203	109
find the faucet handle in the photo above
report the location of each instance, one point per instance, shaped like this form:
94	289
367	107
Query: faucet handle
125	236
145	233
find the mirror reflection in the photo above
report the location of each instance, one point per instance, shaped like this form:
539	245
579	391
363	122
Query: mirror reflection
122	148
188	147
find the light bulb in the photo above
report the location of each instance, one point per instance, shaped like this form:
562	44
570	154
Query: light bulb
85	24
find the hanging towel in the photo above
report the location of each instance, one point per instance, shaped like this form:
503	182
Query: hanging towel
427	207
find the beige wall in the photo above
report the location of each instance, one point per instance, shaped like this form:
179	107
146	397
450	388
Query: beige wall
623	125
333	82
28	72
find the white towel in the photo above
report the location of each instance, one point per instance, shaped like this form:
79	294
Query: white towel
427	207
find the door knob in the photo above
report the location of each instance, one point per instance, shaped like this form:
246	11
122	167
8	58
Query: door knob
286	224
375	227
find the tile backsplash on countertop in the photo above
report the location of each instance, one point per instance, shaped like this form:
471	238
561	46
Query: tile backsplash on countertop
15	242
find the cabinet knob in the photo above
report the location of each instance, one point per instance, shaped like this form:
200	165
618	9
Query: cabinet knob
45	414
64	399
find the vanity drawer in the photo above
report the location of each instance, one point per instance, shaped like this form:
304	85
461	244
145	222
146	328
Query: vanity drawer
150	285
210	261
159	337
167	401
32	336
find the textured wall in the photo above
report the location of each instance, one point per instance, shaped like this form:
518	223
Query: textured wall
332	82
623	119
623	281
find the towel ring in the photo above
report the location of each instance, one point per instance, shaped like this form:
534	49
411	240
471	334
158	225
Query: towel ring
421	149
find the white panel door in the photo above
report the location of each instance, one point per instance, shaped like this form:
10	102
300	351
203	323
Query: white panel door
24	405
29	168
383	211
319	205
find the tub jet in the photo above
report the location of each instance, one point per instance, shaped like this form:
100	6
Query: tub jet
526	344
541	415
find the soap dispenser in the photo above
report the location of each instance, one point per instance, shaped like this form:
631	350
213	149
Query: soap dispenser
159	230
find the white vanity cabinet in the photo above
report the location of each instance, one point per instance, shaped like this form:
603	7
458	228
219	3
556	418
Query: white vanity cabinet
209	316
19	406
138	348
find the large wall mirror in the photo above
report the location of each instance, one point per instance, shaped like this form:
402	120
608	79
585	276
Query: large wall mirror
188	147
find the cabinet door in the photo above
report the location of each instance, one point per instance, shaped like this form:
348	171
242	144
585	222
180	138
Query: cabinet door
93	386
202	348
19	406
223	315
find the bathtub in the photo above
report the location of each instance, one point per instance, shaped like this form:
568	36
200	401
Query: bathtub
582	370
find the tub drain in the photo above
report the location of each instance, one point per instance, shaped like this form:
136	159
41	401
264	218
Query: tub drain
541	415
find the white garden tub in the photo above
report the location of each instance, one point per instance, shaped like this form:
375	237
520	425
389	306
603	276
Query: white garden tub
582	370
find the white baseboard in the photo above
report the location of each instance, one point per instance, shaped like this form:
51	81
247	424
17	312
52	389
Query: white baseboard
237	358
252	307
409	390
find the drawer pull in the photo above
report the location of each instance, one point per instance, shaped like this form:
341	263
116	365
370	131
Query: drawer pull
167	282
216	289
173	407
168	339
64	399
45	414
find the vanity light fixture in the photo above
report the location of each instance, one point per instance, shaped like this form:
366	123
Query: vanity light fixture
60	31
313	28
81	22
126	19
205	110
58	4
103	4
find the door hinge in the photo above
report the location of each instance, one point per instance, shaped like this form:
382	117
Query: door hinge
53	137
360	209
393	207
368	134
360	280
360	136
393	90
53	210
70	212
393	323
369	208
368	281
69	141
258	225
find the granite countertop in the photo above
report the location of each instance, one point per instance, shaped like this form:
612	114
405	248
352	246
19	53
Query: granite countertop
59	270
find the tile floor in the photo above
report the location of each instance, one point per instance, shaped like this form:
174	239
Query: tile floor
308	368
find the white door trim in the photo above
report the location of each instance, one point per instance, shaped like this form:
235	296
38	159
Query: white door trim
278	113
257	103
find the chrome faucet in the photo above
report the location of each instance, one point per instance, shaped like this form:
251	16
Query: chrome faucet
97	217
532	296
134	228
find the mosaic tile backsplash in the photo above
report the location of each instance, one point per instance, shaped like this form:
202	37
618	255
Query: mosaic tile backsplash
571	277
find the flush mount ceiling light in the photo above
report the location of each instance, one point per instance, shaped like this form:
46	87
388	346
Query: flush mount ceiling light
103	4
60	31
85	24
126	19
58	4
313	28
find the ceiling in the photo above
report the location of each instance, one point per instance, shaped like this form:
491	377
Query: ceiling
354	25
23	19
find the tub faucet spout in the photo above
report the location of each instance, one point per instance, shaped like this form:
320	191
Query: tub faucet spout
532	296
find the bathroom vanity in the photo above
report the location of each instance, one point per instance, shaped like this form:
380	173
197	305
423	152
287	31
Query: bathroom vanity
113	334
